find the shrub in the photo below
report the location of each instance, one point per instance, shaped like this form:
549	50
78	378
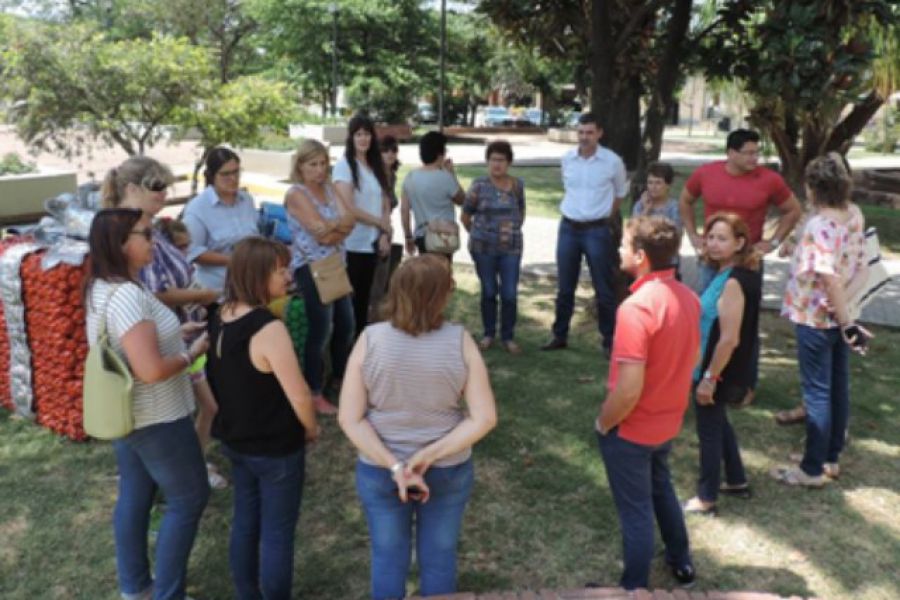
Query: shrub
13	164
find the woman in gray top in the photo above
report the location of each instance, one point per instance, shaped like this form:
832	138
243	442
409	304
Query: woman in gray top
401	406
429	191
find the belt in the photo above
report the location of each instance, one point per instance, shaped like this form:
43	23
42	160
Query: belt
586	224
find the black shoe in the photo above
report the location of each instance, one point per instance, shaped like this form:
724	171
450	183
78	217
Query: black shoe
685	575
555	344
742	492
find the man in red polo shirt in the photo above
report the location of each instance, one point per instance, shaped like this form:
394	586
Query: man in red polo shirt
655	350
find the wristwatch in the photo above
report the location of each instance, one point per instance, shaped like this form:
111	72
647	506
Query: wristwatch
397	467
774	242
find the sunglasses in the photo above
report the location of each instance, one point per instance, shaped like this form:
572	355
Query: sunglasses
146	233
155	185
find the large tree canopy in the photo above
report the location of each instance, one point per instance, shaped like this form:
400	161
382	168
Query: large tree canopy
68	86
810	70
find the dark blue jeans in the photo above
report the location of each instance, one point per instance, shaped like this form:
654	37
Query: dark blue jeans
824	360
598	246
166	456
490	268
707	273
267	491
322	317
641	486
717	444
438	522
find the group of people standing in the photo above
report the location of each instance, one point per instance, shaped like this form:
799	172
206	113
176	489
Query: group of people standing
186	304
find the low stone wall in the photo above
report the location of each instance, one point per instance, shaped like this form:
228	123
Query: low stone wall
568	136
22	196
268	162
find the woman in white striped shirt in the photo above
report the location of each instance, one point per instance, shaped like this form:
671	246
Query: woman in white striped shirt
401	406
163	451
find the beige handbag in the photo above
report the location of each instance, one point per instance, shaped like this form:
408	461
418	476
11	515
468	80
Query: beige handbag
107	395
442	237
330	277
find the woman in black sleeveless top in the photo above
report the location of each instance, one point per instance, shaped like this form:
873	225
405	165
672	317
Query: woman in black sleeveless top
729	327
265	418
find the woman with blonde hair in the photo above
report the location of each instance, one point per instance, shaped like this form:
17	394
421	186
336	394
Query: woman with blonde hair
320	221
729	327
143	183
401	406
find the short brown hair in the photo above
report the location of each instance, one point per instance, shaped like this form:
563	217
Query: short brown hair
501	147
747	257
829	180
252	263
663	170
657	237
419	291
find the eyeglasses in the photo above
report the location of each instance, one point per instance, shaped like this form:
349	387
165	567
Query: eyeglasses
146	233
748	153
231	173
155	185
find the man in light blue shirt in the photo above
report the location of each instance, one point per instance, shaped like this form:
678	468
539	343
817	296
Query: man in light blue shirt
594	183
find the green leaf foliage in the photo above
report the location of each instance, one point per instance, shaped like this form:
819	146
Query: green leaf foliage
71	86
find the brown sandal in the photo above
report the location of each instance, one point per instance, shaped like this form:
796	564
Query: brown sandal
791	417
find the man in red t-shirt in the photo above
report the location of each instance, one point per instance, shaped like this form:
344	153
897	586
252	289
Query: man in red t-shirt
655	350
739	185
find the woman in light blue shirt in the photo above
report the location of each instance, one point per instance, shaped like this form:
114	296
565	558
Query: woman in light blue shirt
219	217
361	182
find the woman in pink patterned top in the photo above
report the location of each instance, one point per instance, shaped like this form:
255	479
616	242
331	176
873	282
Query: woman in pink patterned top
828	263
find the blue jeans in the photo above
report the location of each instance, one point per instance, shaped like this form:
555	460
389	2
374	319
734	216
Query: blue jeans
824	360
641	486
166	456
438	522
322	317
598	245
707	274
490	267
718	444
267	491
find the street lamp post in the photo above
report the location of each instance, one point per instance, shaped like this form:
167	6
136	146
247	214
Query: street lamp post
443	82
333	9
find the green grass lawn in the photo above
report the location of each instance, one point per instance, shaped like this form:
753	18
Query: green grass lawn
541	515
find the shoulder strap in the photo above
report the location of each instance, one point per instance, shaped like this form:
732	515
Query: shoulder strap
101	326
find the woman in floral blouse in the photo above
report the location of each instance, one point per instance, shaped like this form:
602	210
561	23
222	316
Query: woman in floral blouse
827	266
493	213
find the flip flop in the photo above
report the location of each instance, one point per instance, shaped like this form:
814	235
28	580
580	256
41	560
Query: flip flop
791	417
794	476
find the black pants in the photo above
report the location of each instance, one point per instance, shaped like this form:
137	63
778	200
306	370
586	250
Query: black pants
361	270
718	445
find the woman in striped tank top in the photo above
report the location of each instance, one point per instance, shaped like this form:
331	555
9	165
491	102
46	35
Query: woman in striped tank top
401	407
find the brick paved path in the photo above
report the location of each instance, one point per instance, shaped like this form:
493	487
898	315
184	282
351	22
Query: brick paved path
612	594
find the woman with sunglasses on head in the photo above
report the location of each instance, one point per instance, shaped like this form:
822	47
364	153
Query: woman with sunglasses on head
162	452
361	182
142	182
219	217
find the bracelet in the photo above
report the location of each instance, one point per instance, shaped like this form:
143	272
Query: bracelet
775	242
397	467
710	377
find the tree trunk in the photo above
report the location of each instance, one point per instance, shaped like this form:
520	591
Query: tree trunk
668	69
615	101
850	126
